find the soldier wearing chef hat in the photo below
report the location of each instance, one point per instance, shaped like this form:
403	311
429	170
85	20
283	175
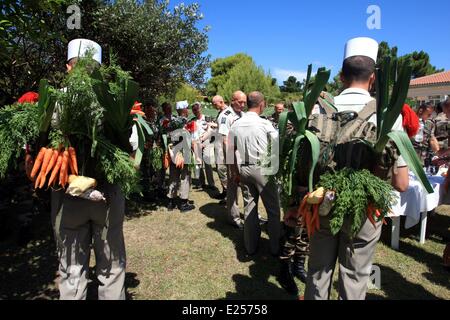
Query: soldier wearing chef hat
80	48
79	224
355	257
180	178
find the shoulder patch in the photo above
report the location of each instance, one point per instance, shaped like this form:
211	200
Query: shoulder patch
227	113
223	121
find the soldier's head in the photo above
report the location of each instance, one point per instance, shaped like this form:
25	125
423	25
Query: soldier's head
166	109
218	103
446	107
197	109
358	68
425	111
279	108
358	71
238	101
256	102
183	112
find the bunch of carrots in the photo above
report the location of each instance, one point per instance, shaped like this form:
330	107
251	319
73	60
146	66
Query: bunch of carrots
310	215
57	163
373	213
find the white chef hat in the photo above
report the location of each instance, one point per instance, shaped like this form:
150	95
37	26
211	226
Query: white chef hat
79	48
182	105
361	47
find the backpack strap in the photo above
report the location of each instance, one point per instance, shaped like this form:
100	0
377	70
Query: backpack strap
326	102
356	128
369	110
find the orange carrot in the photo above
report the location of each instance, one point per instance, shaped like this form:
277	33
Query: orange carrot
37	182
47	157
370	211
73	160
55	170
52	162
66	178
38	162
316	215
301	210
64	168
70	165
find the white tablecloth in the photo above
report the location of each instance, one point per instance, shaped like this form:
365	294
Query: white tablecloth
416	199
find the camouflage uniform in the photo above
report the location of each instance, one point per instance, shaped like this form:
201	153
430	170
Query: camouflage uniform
274	118
296	242
149	174
423	148
441	130
294	247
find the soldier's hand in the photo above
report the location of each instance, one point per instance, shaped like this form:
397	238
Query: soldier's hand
291	217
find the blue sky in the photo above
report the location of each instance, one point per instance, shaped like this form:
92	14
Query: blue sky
284	36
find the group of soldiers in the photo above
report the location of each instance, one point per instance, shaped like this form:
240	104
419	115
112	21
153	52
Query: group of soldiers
233	143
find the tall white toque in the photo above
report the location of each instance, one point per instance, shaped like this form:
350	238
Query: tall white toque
79	48
182	105
361	47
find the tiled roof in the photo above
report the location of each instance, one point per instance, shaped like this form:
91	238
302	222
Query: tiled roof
438	78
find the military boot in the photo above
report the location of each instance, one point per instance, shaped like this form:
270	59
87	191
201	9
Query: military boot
185	206
171	205
298	268
286	278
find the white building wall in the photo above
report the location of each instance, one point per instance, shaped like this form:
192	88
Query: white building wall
424	93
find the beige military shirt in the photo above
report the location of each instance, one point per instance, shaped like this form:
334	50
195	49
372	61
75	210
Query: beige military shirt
252	135
226	119
355	99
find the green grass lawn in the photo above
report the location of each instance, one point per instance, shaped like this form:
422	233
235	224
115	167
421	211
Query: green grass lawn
197	255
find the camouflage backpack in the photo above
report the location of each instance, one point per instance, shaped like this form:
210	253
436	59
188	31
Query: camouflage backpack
343	140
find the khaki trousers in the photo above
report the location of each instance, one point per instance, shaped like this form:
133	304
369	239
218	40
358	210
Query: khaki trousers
232	198
207	171
256	185
180	182
222	172
355	260
81	225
